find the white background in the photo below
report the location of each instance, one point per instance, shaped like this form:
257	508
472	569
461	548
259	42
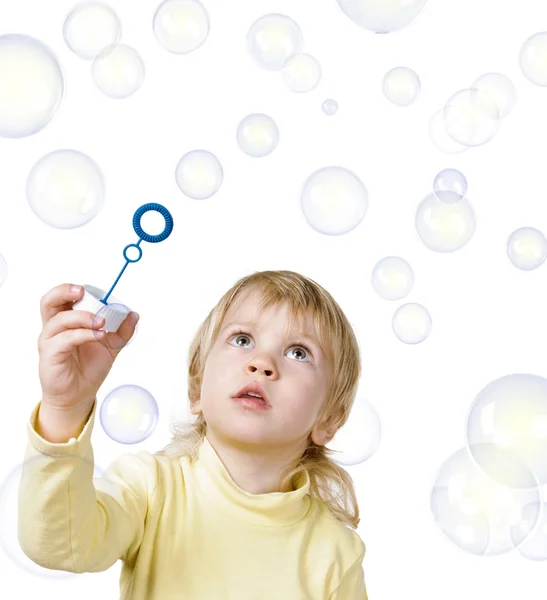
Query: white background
488	317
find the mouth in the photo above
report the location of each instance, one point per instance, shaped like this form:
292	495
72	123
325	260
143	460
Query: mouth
252	403
253	393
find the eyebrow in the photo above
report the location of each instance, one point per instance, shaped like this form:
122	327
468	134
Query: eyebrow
303	336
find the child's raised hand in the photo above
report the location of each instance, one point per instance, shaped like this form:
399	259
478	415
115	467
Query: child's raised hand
74	357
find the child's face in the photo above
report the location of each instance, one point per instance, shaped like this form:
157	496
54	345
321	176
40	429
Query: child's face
294	380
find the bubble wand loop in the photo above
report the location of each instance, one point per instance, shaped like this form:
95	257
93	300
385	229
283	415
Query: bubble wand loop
153	239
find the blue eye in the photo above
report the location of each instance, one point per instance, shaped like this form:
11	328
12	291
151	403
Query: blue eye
244	334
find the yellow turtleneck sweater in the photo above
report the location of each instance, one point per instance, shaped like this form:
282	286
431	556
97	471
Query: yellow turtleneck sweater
183	531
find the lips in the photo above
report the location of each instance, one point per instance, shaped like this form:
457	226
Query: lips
254	388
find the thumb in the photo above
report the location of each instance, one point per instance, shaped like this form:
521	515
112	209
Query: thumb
116	340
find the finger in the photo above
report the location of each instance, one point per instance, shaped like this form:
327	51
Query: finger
66	342
58	299
71	319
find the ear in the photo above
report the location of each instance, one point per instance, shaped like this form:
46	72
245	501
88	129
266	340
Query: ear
323	436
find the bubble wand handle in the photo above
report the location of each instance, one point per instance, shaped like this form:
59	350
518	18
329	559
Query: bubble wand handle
153	239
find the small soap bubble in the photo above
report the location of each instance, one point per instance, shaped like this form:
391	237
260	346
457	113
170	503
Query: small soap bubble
441	139
476	513
534	545
510	415
533	58
9	514
257	135
90	27
380	16
392	278
3	270
32	85
359	438
500	88
199	174
129	414
450	185
411	323
181	26
301	73
333	200
273	39
66	189
118	71
471	117
527	248
330	107
445	227
401	86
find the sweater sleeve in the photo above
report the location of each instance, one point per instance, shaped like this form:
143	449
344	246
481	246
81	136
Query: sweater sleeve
352	586
71	522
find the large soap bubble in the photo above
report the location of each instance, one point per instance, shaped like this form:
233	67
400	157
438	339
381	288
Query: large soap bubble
129	414
272	40
500	88
476	513
257	135
118	71
527	248
533	59
66	189
301	73
411	323
31	85
382	16
90	27
510	415
392	278
401	86
181	26
450	185
333	200
445	227
199	174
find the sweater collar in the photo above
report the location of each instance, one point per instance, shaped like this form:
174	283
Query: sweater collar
272	509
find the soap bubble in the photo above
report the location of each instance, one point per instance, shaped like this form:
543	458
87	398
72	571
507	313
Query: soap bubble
65	189
527	248
257	135
476	513
510	414
411	323
401	86
90	27
471	117
441	139
445	227
533	58
199	174
118	71
359	438
181	26
500	88
3	270
330	107
450	185
333	200
392	278
301	73
382	16
32	85
9	513
534	546
129	414
272	40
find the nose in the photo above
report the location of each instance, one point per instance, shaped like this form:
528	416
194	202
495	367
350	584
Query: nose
261	365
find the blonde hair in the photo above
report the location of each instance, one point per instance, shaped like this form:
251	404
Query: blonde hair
341	348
